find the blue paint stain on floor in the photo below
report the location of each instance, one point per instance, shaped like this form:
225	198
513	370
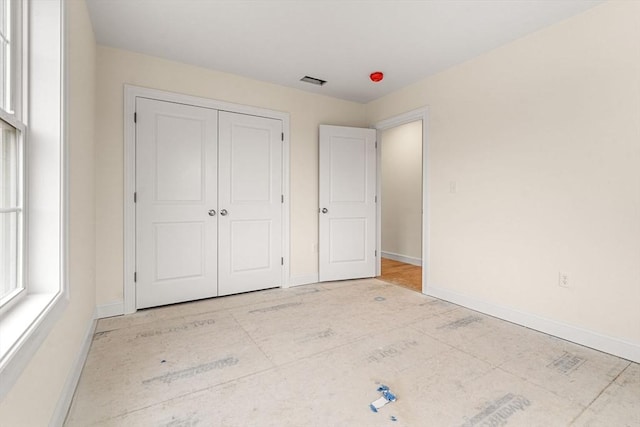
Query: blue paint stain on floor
380	298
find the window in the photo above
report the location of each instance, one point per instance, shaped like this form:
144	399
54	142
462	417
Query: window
10	214
33	202
11	154
7	23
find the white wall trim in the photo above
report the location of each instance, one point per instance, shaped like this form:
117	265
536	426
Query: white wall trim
611	345
69	388
50	308
402	258
130	94
304	279
408	117
110	309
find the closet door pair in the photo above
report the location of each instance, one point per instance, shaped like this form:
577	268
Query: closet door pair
208	203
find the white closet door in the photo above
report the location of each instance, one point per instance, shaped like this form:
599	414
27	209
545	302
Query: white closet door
250	191
347	226
176	186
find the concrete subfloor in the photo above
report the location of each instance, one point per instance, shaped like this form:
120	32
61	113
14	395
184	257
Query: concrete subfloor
314	356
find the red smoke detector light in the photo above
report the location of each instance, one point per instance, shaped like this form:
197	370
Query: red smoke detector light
376	76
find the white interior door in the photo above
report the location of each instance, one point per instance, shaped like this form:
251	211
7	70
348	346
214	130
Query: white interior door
176	191
250	201
347	229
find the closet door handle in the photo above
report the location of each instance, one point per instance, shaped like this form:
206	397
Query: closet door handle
325	210
212	212
223	212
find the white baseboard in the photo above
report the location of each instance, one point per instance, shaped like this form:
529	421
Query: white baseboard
110	309
618	347
402	258
69	388
304	279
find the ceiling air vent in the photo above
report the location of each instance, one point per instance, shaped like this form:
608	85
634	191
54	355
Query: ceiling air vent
313	80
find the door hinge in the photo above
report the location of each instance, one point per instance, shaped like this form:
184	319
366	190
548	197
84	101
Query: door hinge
135	197
375	199
282	136
282	261
375	253
376	144
282	198
135	117
135	277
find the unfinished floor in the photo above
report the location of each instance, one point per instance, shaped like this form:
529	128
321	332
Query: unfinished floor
314	356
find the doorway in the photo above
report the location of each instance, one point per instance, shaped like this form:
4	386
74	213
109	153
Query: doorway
353	172
401	200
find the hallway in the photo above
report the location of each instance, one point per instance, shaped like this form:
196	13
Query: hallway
402	274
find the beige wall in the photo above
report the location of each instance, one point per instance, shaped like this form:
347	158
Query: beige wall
401	178
33	398
117	67
542	137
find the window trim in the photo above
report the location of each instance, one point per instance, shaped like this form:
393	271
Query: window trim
15	116
18	39
17	294
26	325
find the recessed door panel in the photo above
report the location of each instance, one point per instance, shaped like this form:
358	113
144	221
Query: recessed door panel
179	158
176	187
250	189
346	239
348	179
179	249
347	203
250	257
250	165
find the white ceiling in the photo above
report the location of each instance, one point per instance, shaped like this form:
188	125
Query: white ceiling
280	41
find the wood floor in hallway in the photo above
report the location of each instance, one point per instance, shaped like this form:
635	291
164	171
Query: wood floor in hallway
402	274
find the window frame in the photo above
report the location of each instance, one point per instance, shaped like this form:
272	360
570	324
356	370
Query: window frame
14	114
7	301
19	39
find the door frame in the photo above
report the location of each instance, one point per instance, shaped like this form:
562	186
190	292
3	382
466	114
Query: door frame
404	118
132	92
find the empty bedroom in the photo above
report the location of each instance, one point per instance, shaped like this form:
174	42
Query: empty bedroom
319	213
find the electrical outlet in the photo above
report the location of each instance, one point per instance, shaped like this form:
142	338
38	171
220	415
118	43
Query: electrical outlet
453	187
563	279
315	248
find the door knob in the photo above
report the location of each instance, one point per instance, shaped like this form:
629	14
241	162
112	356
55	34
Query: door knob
212	212
325	210
223	212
